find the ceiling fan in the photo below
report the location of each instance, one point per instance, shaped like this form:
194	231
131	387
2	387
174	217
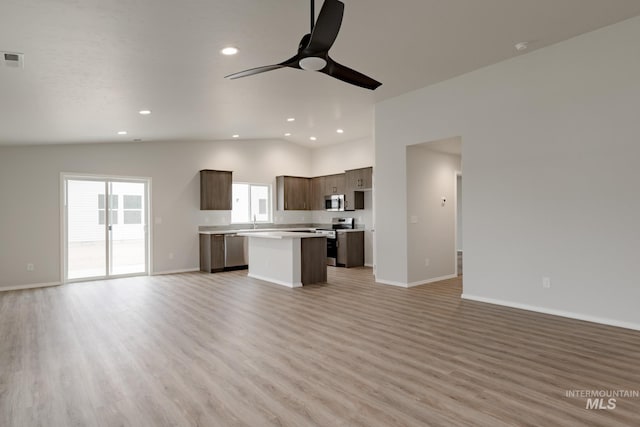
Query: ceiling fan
313	51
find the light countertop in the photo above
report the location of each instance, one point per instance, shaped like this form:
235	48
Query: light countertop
257	230
280	234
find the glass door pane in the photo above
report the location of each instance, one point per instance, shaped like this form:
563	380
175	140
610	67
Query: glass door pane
128	228
86	232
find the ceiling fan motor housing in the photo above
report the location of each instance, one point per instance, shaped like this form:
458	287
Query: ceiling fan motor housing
312	63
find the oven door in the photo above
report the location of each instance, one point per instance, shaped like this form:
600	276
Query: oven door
332	251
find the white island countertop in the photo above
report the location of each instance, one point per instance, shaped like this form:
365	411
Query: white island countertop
254	230
287	258
279	234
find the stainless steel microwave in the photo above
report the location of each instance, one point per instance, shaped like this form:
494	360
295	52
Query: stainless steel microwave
334	202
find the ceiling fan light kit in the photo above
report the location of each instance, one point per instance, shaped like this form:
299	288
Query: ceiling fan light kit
312	63
313	50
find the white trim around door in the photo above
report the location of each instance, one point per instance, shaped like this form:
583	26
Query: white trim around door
107	210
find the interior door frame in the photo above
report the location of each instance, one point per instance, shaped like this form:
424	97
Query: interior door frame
456	174
64	176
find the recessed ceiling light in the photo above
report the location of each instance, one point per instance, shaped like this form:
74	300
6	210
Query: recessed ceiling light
145	112
236	136
291	119
340	131
122	132
313	138
521	46
229	51
287	134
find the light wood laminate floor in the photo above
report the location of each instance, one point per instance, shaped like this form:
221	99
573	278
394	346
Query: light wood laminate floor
225	350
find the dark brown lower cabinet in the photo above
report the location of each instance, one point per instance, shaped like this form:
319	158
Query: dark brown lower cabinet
211	252
350	248
313	255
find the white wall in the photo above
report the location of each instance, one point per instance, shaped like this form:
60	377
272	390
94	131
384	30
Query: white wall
30	194
337	158
550	149
431	230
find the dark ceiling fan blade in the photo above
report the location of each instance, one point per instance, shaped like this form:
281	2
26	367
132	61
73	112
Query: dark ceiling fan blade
326	28
291	62
348	75
253	71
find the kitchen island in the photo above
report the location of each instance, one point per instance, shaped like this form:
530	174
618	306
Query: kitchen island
287	258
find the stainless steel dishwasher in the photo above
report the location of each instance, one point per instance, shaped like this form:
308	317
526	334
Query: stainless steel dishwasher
235	251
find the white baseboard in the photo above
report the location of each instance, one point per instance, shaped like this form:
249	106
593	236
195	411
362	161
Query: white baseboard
391	283
554	312
186	270
412	284
436	279
368	265
30	286
277	282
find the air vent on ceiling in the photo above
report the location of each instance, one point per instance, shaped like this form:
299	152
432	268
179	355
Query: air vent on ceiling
12	59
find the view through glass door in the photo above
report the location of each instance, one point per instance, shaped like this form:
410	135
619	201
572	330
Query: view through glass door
106	228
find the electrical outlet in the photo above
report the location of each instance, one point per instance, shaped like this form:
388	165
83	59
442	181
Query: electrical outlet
546	282
31	267
426	262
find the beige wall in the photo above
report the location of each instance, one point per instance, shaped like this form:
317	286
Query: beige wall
30	195
337	158
550	151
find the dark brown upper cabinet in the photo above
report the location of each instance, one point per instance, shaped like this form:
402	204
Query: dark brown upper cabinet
334	184
215	190
356	181
293	193
317	193
359	179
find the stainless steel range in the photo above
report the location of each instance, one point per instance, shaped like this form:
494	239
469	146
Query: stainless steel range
330	233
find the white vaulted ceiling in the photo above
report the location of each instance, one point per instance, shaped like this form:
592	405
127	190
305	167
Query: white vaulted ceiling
91	65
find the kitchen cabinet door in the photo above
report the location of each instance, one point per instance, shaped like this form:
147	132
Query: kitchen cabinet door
293	193
359	179
211	253
334	184
317	193
350	248
215	190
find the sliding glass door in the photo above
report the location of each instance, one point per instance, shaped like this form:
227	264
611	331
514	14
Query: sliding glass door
106	233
